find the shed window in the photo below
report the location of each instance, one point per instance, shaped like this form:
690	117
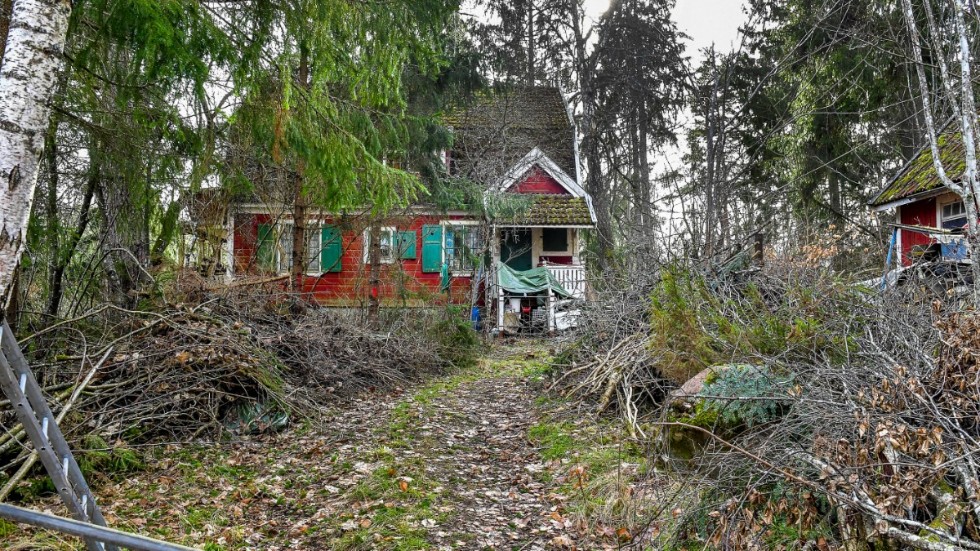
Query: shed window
324	249
953	216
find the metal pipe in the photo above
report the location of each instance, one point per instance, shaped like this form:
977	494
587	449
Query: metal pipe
86	530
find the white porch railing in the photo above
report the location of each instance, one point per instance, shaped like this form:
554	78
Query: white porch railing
572	278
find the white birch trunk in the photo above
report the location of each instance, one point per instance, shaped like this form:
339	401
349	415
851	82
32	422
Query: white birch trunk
967	188
28	76
968	113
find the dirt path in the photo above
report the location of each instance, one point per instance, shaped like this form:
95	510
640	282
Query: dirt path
446	466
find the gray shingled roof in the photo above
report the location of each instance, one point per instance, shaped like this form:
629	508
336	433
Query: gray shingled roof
500	127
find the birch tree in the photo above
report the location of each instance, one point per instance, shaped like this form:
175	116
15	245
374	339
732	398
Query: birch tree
28	76
963	105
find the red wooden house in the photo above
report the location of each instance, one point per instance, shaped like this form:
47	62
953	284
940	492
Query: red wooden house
929	218
520	144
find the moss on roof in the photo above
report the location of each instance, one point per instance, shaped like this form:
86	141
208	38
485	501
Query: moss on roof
501	126
920	176
553	210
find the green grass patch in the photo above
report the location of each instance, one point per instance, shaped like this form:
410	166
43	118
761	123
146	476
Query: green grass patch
554	440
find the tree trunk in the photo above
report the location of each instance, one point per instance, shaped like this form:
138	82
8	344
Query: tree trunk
710	199
169	227
28	76
6	7
65	255
646	186
530	43
374	276
605	238
968	113
299	197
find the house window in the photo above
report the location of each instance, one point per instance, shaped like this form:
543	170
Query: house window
275	247
387	245
463	247
554	239
313	248
953	216
324	249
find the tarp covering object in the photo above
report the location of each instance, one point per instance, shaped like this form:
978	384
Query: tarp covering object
530	281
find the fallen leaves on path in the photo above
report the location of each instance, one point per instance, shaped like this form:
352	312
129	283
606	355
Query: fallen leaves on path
449	466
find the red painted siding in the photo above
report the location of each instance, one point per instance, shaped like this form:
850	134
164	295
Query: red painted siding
920	213
246	236
402	282
539	181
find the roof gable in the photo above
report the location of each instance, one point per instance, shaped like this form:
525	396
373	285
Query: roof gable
537	159
571	208
537	181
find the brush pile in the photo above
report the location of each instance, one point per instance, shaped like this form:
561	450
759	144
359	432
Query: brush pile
188	371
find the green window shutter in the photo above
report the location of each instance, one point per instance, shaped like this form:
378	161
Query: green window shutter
265	253
431	248
331	249
406	245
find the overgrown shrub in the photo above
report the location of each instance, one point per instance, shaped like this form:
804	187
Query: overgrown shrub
697	321
458	343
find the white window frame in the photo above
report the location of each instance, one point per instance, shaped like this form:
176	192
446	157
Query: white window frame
283	248
392	231
446	225
942	213
317	229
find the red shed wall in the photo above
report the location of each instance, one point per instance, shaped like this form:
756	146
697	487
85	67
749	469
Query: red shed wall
539	181
920	213
402	282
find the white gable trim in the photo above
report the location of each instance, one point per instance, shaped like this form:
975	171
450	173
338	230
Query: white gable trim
537	157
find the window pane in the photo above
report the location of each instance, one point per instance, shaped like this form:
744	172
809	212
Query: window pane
463	247
386	242
954	216
285	247
555	239
312	249
387	249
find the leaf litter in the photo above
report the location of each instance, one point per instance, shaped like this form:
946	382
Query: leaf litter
447	466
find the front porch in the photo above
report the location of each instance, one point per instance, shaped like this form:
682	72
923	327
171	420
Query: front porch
548	264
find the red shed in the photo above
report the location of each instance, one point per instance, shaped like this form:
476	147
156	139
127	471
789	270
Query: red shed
926	212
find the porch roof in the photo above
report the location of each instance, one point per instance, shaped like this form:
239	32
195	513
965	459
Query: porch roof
553	210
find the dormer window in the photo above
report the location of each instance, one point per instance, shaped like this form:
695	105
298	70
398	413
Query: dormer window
953	216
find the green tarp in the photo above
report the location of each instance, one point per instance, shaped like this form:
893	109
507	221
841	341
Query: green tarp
529	282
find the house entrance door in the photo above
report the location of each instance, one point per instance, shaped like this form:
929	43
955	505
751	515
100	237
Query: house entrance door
515	248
